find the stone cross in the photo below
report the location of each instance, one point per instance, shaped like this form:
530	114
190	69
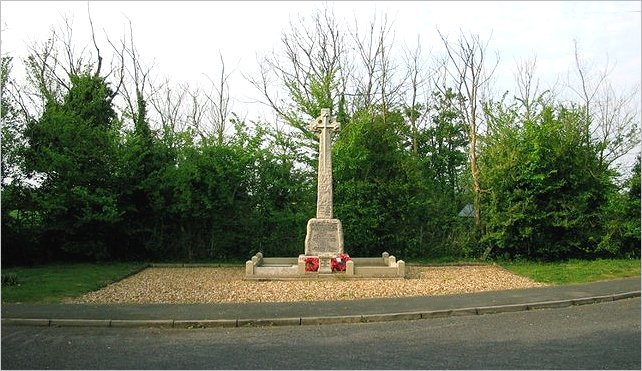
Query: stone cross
324	237
325	126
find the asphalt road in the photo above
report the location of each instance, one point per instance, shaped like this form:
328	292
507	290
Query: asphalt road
596	336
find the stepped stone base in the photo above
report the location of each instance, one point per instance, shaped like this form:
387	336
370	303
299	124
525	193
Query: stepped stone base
260	268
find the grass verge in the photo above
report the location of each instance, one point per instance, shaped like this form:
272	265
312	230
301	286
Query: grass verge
575	271
56	282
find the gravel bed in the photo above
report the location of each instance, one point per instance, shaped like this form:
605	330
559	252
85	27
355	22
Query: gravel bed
226	285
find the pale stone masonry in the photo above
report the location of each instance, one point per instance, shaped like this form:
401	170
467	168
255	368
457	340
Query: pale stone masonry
385	266
325	125
324	237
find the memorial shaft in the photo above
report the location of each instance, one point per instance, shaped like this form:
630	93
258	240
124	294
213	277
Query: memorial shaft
324	185
324	236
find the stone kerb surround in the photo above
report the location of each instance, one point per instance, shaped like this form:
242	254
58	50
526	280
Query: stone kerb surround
385	266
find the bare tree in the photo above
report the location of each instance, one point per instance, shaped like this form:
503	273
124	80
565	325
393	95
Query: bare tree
369	51
50	65
136	75
377	84
391	83
417	80
468	69
219	102
613	121
173	108
44	80
309	71
196	110
168	104
74	63
527	87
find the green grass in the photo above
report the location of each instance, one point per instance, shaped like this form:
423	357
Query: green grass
56	282
575	271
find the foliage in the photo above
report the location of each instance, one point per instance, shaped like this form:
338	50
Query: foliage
546	190
21	226
9	279
621	218
72	147
12	128
143	159
141	194
442	178
85	179
373	196
443	143
225	201
575	271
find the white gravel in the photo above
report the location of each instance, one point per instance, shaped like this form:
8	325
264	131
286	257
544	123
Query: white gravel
226	285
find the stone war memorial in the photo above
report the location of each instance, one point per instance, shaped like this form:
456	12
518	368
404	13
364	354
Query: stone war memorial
324	255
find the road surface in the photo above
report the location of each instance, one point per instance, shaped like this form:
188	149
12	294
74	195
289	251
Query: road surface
596	336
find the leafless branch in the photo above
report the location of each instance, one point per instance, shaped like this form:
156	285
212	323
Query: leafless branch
93	38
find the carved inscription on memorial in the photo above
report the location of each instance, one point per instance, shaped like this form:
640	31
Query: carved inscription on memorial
324	236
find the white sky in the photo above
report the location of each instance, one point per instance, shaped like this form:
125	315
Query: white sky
183	38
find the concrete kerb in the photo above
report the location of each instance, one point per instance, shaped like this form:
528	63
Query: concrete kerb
268	322
502	308
26	322
331	320
141	323
550	304
626	295
79	323
409	316
320	320
205	323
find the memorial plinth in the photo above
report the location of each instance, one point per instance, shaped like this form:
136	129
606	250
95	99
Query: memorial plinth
324	236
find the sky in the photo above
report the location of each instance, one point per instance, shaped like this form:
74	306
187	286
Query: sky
182	39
